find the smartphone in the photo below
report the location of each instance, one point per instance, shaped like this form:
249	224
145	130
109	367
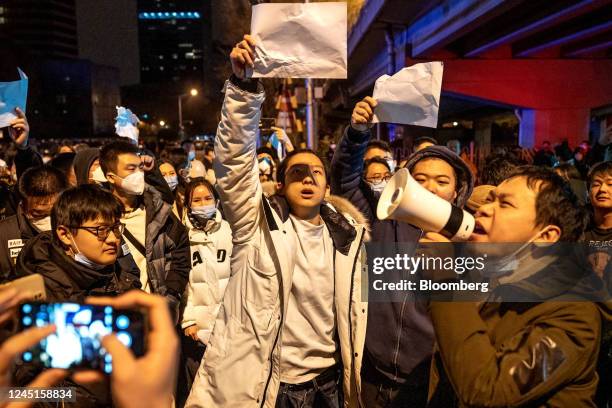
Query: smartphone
35	284
76	344
265	126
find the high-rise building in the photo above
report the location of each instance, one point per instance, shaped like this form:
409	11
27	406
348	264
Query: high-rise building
171	36
44	27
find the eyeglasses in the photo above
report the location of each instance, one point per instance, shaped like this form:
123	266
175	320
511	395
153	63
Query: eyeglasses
379	179
103	231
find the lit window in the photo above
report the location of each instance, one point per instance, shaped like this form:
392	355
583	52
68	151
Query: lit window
174	56
161	68
2	20
185	45
161	57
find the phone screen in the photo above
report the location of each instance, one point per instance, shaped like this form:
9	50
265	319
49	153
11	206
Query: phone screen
76	344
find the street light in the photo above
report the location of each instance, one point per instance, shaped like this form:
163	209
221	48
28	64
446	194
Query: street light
162	123
192	92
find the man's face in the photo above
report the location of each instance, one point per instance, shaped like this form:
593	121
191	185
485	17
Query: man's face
600	192
37	208
210	155
376	152
437	176
127	164
102	250
304	184
377	172
509	215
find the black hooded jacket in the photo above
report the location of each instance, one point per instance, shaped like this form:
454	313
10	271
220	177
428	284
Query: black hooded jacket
66	279
82	163
399	337
15	232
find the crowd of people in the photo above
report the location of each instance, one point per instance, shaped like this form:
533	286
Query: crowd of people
251	268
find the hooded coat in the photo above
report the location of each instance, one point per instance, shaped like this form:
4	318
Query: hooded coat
68	281
399	335
82	163
15	232
241	367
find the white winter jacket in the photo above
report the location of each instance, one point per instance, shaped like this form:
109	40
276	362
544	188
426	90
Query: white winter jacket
241	366
210	272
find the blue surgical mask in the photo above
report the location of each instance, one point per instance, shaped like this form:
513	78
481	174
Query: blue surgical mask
172	181
204	211
85	261
191	155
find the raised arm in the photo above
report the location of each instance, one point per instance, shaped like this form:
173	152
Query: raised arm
235	161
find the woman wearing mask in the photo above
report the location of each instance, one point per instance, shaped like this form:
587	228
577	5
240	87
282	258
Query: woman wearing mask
211	248
169	174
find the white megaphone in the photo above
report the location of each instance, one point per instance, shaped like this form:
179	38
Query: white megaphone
404	199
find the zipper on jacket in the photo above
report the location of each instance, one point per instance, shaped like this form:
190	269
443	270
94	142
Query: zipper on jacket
351	305
399	338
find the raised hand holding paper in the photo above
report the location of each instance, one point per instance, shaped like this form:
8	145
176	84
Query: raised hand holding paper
411	96
13	95
300	40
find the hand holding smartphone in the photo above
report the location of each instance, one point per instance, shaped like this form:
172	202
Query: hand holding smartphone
77	341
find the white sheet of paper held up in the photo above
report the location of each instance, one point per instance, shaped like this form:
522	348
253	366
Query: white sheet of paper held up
300	40
13	95
411	96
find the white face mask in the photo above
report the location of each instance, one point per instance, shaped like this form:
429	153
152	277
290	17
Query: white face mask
378	188
133	184
391	164
172	182
43	224
98	176
85	261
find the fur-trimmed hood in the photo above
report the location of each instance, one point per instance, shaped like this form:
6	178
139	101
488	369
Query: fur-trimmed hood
344	206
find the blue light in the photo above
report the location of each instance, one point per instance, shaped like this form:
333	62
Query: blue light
164	15
26	308
27	320
122	322
125	338
27	356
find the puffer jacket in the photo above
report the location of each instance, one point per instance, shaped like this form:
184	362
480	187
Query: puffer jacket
241	367
15	232
167	249
210	273
400	336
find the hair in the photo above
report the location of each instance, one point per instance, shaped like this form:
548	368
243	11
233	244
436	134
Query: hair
84	203
282	167
185	142
269	151
192	185
604	168
373	160
424	139
164	161
568	171
498	169
42	181
556	203
63	162
109	154
208	148
378	144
